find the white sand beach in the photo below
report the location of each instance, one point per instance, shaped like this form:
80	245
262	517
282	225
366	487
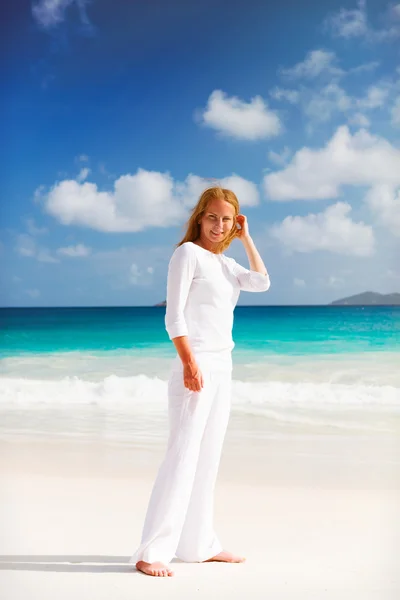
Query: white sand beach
316	517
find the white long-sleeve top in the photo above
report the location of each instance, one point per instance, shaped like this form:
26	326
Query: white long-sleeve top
202	291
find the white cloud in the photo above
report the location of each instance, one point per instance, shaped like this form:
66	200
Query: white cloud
375	98
38	195
322	104
299	282
395	112
349	23
353	23
16	279
83	158
331	230
331	282
137	201
190	190
50	13
341	99
361	159
291	96
134	274
246	191
44	255
78	251
33	229
83	174
317	62
146	199
360	120
104	171
384	201
34	293
138	276
27	246
115	266
280	158
232	117
392	21
335	281
364	68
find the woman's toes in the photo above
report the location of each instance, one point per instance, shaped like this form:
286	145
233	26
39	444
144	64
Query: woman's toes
156	569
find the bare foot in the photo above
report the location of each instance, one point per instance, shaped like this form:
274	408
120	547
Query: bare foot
226	557
157	569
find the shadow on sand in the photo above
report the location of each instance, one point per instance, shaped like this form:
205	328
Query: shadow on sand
68	563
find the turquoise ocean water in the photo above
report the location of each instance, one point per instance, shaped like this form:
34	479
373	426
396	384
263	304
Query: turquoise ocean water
263	330
330	365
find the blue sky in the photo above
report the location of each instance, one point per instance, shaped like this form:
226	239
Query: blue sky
118	114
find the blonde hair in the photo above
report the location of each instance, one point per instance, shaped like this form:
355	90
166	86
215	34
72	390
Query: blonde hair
193	225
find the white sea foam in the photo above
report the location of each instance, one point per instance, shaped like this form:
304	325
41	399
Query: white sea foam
357	392
276	401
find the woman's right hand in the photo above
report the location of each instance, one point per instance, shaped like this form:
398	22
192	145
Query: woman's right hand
192	377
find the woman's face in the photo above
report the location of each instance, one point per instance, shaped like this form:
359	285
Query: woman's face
217	221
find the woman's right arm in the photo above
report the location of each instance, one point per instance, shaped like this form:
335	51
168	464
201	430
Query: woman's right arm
192	376
181	271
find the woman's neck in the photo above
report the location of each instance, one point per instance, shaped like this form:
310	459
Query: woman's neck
208	247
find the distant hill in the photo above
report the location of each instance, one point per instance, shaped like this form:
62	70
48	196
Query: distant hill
164	303
370	299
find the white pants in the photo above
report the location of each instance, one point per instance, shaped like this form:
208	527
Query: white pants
179	520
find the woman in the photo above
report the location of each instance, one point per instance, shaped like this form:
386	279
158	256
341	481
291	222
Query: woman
202	290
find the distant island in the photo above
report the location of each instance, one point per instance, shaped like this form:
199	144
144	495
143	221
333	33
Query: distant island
369	299
164	303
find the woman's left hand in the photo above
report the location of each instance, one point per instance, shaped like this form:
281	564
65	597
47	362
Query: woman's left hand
243	232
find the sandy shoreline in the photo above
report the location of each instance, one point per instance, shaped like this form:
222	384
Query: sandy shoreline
253	453
313	523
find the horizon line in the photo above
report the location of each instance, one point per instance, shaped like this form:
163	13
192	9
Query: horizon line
334	303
